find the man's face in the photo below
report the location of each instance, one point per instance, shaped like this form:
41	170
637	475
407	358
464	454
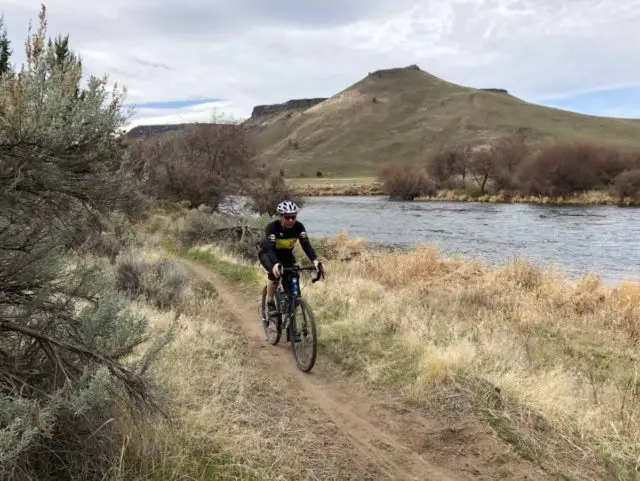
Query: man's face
287	220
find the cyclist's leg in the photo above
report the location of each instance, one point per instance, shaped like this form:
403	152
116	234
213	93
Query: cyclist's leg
290	261
287	259
271	288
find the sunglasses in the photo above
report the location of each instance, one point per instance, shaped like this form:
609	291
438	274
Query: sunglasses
289	217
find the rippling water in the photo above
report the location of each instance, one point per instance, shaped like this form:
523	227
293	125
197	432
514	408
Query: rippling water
577	239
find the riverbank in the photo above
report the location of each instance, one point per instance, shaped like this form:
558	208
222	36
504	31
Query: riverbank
550	366
585	198
352	186
368	186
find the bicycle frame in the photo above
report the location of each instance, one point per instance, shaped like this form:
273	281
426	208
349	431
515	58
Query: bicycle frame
288	297
287	306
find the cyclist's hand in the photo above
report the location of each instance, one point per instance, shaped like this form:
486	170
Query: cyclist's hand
319	267
277	270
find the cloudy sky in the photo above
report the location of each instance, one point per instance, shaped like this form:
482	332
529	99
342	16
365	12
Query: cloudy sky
188	60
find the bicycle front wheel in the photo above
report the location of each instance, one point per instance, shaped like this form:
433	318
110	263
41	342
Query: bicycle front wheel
303	336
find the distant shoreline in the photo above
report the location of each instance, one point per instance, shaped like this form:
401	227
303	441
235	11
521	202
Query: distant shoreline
356	187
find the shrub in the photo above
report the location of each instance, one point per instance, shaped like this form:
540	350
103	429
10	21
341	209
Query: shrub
65	333
611	162
114	235
493	166
67	390
507	154
406	182
340	247
449	163
482	167
264	196
239	234
563	169
202	164
510	164
161	282
627	184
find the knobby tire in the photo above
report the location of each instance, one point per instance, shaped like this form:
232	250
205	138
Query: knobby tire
311	327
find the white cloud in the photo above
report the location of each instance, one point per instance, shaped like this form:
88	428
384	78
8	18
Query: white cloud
250	52
203	112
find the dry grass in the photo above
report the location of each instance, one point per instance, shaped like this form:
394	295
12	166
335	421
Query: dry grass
333	186
584	198
333	181
552	365
229	420
564	356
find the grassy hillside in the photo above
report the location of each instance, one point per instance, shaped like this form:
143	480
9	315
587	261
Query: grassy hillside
403	114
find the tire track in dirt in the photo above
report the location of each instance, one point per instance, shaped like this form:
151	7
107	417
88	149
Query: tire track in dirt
378	435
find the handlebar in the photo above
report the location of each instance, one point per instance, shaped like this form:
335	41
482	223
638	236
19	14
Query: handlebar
297	268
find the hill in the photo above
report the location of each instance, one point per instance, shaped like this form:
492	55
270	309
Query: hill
403	114
147	131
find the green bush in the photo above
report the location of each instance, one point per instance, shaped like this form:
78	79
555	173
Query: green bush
65	387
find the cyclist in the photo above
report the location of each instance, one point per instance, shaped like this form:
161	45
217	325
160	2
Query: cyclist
277	247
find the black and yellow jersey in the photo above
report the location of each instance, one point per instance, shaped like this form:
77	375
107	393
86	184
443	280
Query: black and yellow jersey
279	243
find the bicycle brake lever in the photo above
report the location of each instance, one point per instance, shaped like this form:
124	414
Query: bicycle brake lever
318	276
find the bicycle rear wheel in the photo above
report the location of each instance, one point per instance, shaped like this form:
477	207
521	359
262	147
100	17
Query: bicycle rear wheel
272	334
304	350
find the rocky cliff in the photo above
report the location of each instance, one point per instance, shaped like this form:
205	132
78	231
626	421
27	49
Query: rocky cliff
274	109
146	131
498	91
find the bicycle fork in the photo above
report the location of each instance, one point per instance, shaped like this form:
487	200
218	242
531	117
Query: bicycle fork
287	308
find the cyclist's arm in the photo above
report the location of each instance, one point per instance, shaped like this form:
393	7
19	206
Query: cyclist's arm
305	243
269	246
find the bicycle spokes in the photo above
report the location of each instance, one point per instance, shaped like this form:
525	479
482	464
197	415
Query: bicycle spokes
304	342
296	318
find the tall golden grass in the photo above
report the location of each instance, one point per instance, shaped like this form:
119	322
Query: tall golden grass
228	419
564	356
552	365
594	197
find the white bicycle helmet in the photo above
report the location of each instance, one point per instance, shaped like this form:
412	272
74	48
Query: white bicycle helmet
287	207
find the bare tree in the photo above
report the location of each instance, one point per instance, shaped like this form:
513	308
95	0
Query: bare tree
203	163
448	163
265	194
507	154
482	167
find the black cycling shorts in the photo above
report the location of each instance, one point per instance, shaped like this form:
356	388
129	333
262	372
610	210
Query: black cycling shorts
284	262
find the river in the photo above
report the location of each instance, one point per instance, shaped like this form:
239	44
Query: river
576	239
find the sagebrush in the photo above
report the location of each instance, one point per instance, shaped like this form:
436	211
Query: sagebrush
65	387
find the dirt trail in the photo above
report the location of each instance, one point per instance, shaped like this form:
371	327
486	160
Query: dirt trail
391	439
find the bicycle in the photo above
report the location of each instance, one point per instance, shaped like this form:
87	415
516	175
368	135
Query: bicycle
287	300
